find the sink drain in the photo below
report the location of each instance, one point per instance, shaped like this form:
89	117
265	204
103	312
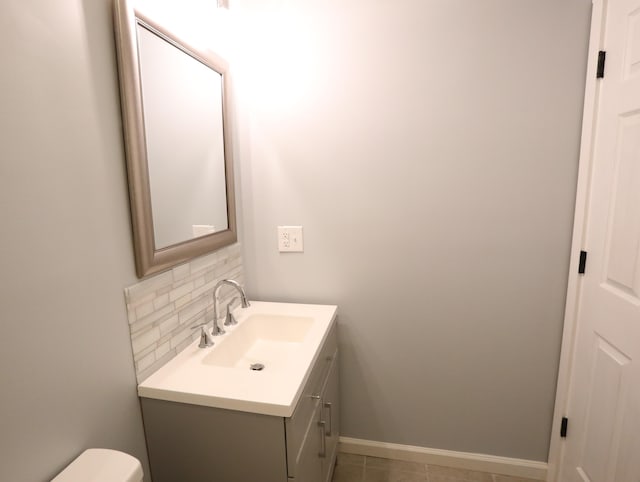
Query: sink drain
256	367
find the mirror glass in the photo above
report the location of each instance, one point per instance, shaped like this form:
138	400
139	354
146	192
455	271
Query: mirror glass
178	143
182	105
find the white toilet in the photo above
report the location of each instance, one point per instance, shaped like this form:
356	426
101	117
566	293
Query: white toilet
102	465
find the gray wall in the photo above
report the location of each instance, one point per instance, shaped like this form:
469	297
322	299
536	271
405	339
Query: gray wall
429	148
67	378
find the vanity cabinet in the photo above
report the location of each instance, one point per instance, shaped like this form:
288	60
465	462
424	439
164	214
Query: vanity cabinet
193	443
312	431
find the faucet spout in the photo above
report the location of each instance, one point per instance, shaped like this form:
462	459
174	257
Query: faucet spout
243	300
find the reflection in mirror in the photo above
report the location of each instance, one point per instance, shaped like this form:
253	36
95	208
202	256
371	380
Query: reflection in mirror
178	143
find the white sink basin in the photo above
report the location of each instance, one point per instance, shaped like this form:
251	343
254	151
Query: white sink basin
270	340
283	337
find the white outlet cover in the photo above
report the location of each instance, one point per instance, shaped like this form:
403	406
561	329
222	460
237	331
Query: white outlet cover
290	239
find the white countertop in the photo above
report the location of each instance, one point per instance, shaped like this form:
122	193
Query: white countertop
191	378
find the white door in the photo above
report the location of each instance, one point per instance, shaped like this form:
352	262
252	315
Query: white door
603	439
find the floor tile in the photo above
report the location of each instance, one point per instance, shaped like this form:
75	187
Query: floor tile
352	459
442	472
358	468
348	473
444	478
506	478
391	464
373	474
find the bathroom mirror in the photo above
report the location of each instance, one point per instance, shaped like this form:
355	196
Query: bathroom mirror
177	141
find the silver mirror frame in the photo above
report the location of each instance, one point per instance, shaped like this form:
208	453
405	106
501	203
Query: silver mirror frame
150	260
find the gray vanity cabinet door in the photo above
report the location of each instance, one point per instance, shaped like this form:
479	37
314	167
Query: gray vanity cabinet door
306	412
309	468
331	417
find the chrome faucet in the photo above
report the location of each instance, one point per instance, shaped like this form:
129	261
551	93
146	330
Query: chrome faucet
243	301
205	338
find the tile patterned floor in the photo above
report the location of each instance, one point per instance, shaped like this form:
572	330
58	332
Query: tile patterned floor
358	468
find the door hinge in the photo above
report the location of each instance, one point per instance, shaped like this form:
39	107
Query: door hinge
563	427
602	56
582	265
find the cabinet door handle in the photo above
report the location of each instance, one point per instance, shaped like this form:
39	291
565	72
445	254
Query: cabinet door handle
329	405
323	453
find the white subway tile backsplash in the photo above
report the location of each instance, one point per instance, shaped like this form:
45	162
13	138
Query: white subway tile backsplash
180	338
131	315
144	310
163	308
142	340
148	286
181	272
153	318
164	290
183	301
168	325
193	309
198	282
160	301
180	291
185	343
205	262
142	300
146	361
163	349
203	289
144	352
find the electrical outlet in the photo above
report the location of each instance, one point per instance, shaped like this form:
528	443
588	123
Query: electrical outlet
290	239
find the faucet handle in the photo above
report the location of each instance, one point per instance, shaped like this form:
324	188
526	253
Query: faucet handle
230	319
205	337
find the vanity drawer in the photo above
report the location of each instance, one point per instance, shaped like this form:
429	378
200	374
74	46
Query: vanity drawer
302	420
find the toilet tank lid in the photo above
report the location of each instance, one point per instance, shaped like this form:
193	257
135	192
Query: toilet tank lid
102	465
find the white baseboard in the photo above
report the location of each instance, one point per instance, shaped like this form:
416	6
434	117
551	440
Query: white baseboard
462	460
